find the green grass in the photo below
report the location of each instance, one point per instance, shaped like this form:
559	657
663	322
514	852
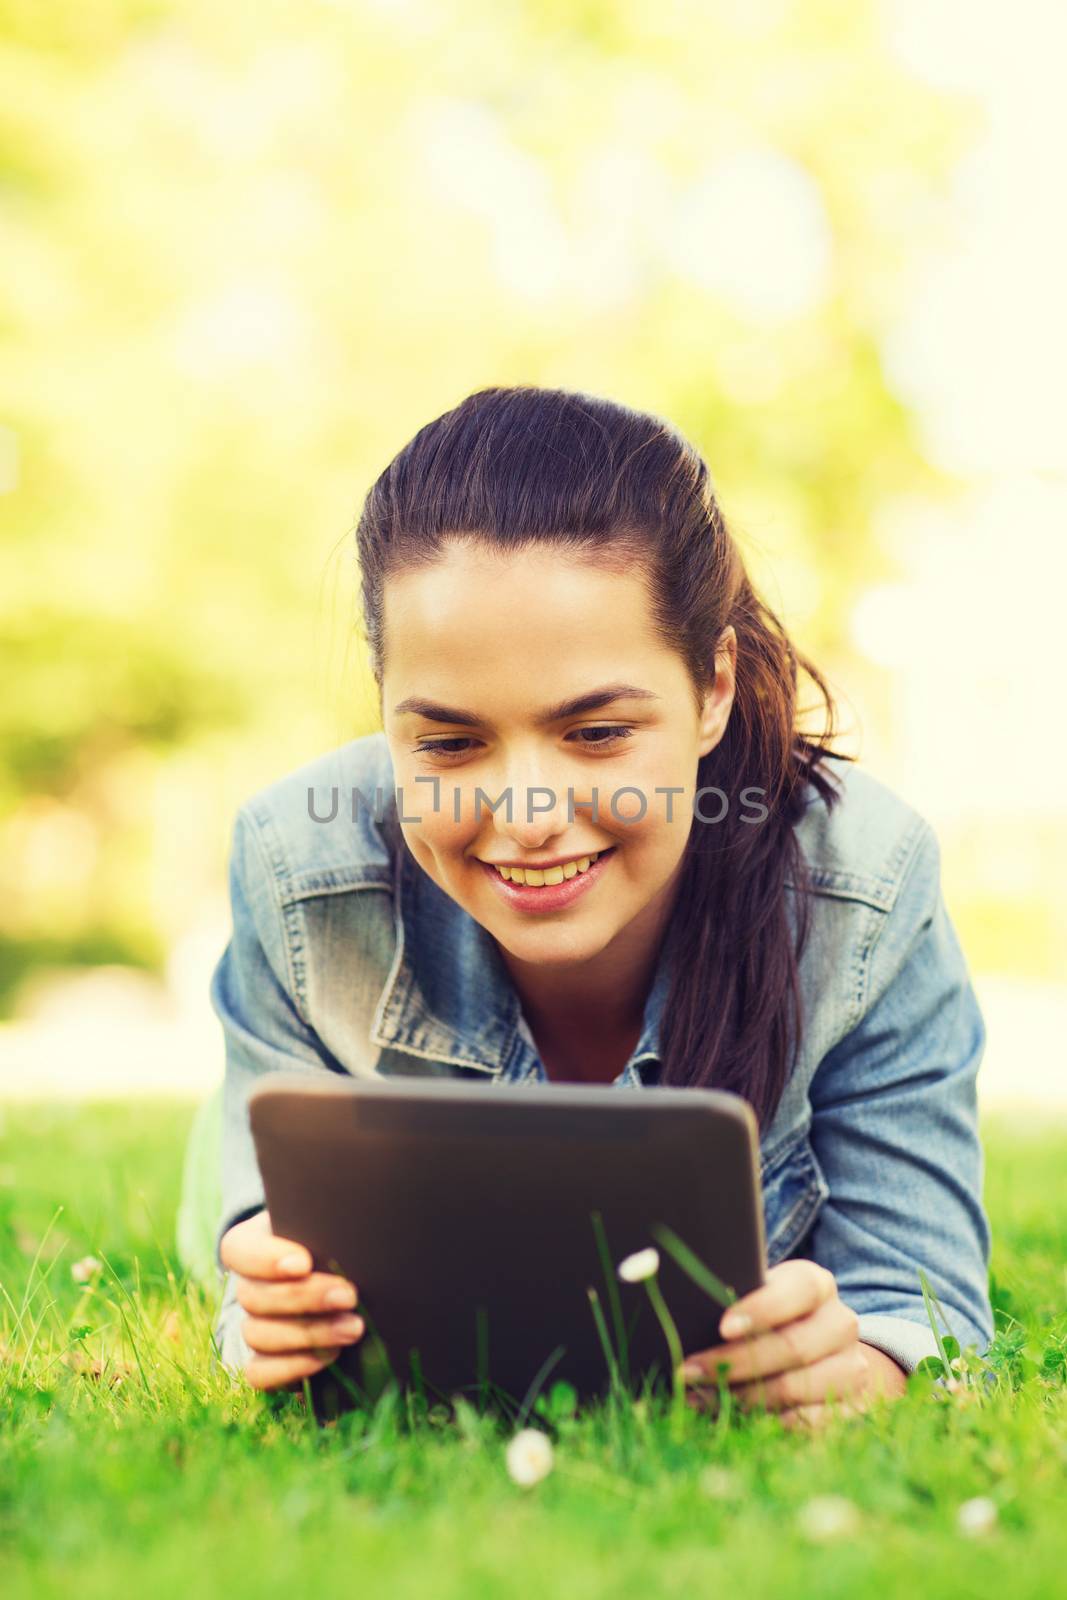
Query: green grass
176	1478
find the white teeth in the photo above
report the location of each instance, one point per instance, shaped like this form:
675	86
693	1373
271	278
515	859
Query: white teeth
533	878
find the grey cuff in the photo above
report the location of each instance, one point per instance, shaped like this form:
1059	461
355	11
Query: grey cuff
234	1351
905	1341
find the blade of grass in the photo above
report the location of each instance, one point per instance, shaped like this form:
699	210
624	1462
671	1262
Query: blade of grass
33	1335
164	1255
939	1308
380	1346
354	1390
692	1265
928	1302
614	1300
674	1345
134	1302
417	1406
36	1258
602	1334
136	1354
538	1379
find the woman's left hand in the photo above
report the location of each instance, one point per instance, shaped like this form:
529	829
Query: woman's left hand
793	1347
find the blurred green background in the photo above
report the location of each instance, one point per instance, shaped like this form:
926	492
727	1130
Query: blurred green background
246	250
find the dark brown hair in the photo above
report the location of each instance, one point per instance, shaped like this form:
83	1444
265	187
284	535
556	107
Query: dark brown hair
521	466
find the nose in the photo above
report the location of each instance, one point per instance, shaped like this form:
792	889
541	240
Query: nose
534	809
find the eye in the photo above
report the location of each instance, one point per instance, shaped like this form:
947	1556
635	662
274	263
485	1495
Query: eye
616	732
604	737
438	747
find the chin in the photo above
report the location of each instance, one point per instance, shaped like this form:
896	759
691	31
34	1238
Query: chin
554	946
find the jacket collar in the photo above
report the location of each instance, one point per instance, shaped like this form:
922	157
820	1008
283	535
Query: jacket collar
449	996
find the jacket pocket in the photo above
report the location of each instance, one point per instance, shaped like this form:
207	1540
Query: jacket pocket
794	1189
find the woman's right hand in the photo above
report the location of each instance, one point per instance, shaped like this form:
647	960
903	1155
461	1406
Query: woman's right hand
294	1324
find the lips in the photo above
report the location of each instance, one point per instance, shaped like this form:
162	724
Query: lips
550	896
561	863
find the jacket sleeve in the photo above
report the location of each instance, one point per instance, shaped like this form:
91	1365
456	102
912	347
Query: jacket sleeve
894	1129
252	993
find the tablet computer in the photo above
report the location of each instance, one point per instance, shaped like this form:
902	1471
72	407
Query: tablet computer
474	1220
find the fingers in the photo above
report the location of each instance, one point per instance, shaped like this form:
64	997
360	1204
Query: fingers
276	1372
703	1399
315	1291
274	1274
275	1284
801	1418
252	1250
836	1378
808	1418
277	1335
792	1347
831	1327
793	1289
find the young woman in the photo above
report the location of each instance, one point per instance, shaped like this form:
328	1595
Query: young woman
686	888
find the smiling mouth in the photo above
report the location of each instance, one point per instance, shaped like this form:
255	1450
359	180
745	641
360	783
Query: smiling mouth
546	877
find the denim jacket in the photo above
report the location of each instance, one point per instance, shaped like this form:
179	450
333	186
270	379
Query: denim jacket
347	957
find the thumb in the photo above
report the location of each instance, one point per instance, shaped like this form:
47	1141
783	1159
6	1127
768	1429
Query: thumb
252	1250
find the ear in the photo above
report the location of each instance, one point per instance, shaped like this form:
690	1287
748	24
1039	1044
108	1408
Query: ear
719	699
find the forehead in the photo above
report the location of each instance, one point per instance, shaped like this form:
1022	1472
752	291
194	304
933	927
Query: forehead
534	617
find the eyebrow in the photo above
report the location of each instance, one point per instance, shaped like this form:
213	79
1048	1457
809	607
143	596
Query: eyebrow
414	705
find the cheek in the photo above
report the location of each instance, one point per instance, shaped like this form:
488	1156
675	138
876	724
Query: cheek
660	852
432	840
426	811
662	782
648	852
436	840
650	818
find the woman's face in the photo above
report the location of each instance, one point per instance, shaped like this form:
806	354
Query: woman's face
493	645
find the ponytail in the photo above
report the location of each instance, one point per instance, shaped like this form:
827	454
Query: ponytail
734	1014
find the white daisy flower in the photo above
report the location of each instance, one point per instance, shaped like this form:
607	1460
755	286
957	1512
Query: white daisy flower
642	1264
81	1271
827	1516
529	1456
976	1516
718	1483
